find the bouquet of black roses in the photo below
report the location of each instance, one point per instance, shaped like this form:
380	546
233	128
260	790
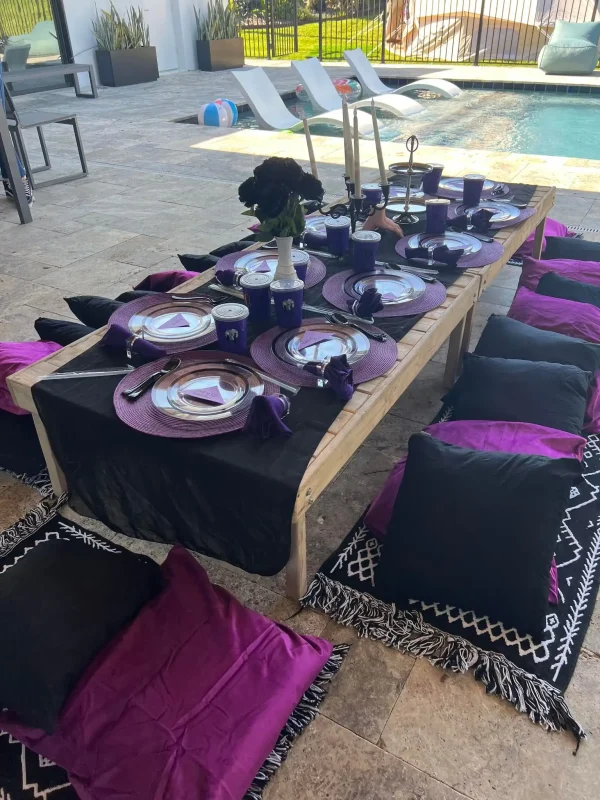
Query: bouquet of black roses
274	194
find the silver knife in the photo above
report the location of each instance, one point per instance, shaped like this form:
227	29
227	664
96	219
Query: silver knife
93	373
288	387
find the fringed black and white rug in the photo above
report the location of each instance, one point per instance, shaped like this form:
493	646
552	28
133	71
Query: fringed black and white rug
530	675
27	776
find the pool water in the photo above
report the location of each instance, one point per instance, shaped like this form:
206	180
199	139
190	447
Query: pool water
539	123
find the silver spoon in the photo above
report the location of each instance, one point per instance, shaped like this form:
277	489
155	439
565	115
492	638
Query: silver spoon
337	318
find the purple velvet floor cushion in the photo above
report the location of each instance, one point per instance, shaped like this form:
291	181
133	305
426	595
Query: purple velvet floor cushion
488	540
15	356
554	285
188	702
514	390
580	320
533	269
508	437
504	337
164	281
553	228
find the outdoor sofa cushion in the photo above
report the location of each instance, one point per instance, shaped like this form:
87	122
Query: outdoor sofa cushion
572	49
476	530
60	331
580	320
553	285
533	269
91	310
575	249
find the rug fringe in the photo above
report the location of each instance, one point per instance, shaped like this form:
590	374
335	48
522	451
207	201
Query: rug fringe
40	481
32	521
304	713
408	631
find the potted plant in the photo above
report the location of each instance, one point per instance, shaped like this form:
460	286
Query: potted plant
124	55
219	44
274	195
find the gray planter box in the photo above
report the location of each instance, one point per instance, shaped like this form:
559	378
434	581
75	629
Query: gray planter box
220	54
126	67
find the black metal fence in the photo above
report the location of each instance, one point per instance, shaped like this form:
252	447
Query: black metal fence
446	31
18	17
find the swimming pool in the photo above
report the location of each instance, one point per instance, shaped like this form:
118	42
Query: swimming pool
540	123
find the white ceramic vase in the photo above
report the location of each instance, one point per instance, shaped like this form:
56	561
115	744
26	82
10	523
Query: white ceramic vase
285	266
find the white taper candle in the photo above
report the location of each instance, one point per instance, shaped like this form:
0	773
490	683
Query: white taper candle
311	152
382	173
357	189
348	157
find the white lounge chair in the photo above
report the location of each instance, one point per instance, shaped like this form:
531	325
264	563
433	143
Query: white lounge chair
323	94
272	113
372	85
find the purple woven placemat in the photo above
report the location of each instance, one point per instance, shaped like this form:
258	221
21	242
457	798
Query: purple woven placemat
487	255
122	316
334	292
455	210
142	415
315	271
380	358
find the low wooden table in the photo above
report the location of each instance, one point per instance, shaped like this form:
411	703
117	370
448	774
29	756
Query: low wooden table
371	400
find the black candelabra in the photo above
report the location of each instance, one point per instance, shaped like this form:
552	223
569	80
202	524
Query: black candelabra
357	208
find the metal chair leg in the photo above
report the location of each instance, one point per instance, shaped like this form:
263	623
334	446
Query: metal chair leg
78	141
80	150
44	149
22	151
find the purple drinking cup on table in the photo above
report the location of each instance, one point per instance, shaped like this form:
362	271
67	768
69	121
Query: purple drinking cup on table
338	235
472	190
231	321
257	295
288	296
431	180
365	245
372	192
300	261
437	214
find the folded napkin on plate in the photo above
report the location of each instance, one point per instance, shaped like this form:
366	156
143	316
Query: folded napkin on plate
226	277
480	221
367	305
266	416
337	373
116	336
442	256
164	281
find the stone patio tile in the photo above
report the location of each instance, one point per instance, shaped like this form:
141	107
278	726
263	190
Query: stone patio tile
88	274
74	193
47	217
366	690
140	251
12	289
15	502
329	762
305	621
76	246
422	400
447	726
498	295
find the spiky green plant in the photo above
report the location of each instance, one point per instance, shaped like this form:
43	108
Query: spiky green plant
221	20
115	32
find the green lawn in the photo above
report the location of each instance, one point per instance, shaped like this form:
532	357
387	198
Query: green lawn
20	16
338	35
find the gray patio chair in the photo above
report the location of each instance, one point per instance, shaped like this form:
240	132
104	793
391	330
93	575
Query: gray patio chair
23	120
15	56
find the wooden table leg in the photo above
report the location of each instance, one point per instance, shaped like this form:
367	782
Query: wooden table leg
296	567
457	346
539	239
57	477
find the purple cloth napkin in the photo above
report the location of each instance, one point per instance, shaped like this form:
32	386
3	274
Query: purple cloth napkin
116	336
367	305
226	277
337	373
442	256
480	221
266	416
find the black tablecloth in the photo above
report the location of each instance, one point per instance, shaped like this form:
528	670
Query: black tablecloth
230	497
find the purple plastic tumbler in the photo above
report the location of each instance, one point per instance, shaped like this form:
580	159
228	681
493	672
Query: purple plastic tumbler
372	192
231	321
338	235
431	180
473	189
257	297
300	261
288	296
437	214
365	245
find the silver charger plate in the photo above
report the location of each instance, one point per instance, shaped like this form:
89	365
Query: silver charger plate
153	323
237	385
458	185
503	212
453	241
404	285
252	262
346	341
400	191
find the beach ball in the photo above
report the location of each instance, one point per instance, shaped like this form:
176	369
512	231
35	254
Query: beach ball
301	94
220	114
348	88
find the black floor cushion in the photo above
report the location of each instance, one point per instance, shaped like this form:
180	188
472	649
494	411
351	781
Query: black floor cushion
504	337
514	390
477	530
61	602
577	249
91	310
553	285
60	331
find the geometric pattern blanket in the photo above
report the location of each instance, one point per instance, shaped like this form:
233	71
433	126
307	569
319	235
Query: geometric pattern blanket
531	675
